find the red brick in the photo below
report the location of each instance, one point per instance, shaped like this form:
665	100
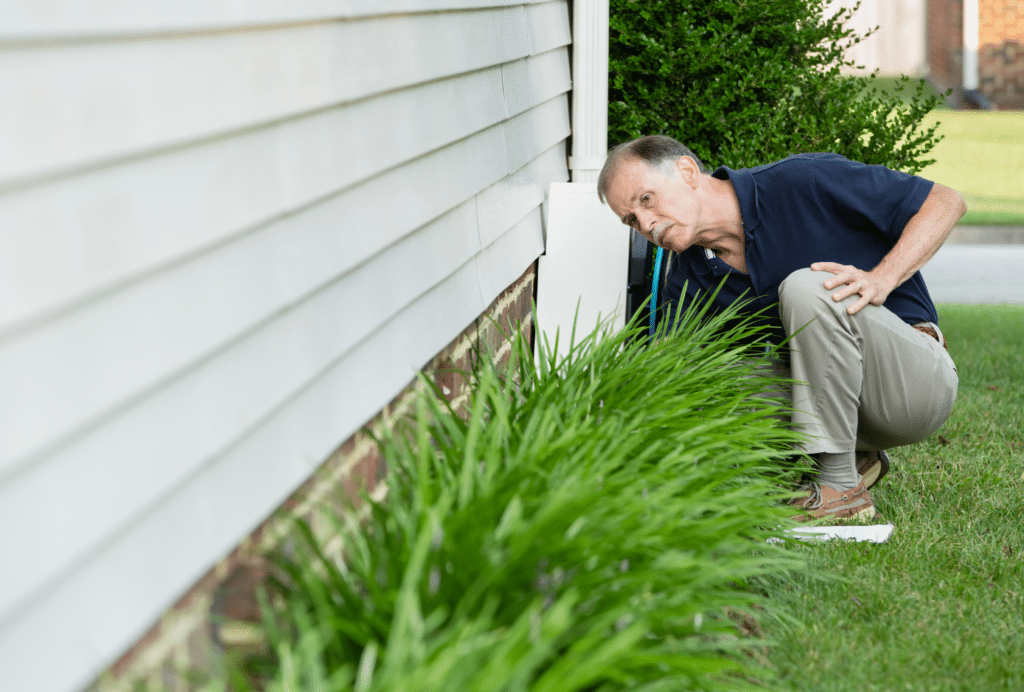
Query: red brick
235	598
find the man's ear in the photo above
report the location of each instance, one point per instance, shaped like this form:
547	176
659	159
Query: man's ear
688	171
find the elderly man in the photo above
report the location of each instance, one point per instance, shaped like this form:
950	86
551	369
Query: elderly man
836	247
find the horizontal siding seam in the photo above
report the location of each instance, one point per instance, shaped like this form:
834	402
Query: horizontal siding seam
111	537
8	42
19	327
538	56
16	329
39	456
61	173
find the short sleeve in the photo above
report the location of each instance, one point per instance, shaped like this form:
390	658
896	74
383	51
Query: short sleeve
870	197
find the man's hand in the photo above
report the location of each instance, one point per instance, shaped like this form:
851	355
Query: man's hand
872	289
921	237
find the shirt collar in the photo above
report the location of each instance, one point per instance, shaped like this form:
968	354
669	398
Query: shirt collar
746	193
697	260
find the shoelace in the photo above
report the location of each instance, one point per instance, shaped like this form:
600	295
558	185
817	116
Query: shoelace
814	501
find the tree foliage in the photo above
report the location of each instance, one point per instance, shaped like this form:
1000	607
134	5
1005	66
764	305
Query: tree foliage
745	82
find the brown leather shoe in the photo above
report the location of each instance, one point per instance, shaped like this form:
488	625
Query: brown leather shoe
821	501
872	467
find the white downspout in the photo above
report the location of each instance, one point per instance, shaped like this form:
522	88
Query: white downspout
589	89
971	41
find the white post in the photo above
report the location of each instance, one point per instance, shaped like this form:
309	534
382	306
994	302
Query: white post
589	89
971	41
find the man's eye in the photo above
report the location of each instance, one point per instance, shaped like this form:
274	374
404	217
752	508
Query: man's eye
646	198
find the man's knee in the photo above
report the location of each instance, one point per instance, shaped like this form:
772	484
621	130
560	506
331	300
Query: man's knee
804	290
804	281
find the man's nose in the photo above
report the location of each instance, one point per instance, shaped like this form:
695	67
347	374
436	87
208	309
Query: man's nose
647	220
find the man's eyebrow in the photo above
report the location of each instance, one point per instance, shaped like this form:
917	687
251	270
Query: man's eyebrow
632	201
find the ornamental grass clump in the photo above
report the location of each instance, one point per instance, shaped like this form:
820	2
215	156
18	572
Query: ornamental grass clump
596	522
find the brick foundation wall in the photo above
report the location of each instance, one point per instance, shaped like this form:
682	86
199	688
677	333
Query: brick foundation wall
192	634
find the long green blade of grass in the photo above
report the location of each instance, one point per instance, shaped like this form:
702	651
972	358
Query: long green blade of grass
596	522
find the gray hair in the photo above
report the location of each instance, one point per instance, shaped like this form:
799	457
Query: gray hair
654	150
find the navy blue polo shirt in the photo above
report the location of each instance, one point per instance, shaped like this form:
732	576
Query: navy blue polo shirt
804	209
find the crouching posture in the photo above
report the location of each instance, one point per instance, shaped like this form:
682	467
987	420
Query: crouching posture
835	246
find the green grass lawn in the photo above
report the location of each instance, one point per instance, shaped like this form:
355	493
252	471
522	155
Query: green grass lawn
941	605
982	157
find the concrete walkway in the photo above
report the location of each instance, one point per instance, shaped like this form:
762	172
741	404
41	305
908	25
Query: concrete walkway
986	235
978	265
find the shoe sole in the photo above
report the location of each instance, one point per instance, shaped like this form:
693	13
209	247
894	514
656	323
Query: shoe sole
875	472
860	507
866	513
839	515
845	513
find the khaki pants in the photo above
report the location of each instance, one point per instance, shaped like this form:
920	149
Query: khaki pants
872	381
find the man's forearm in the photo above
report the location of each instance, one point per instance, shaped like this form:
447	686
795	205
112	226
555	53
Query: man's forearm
922	236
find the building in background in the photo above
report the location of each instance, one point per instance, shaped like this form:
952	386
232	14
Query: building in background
898	45
976	47
232	233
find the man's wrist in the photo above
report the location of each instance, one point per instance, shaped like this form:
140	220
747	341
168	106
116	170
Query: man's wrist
887	279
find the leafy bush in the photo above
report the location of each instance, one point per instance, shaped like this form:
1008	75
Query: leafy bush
746	82
592	524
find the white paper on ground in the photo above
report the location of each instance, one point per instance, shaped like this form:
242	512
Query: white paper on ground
877	533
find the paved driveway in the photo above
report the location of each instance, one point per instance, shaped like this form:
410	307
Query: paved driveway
978	265
976	274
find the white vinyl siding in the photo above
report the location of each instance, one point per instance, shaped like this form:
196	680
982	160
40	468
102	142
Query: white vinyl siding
230	233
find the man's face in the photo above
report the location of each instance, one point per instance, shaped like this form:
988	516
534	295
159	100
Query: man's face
660	203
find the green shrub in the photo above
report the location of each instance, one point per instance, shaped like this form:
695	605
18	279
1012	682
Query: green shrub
594	523
746	82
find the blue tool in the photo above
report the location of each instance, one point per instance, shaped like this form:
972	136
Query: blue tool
654	290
